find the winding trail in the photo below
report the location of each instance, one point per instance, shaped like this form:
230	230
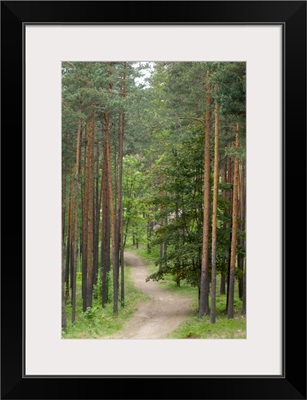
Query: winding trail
159	315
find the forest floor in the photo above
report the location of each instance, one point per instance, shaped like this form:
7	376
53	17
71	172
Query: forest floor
156	317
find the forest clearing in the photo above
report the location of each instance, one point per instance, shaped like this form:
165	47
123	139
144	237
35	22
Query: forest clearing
153	200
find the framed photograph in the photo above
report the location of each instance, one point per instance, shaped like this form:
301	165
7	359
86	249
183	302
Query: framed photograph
115	104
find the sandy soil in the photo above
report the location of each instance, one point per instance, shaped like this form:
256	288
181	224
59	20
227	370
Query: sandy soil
159	315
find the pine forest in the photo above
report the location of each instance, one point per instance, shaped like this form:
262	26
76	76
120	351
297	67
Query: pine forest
154	200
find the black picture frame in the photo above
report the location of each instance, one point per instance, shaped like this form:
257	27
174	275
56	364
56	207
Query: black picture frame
292	16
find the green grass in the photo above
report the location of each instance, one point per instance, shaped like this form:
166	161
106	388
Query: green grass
195	327
99	322
201	328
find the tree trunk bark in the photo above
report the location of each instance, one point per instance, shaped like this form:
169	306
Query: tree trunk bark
241	227
120	195
244	293
111	210
90	171
161	256
112	214
97	207
224	262
64	209
69	239
105	230
204	281
68	251
223	282
85	230
230	311
75	236
165	247
243	217
230	179
64	323
214	215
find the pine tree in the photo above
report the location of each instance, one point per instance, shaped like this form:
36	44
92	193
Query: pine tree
214	214
75	235
230	311
204	283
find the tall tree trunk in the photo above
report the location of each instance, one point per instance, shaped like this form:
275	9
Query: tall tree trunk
115	255
244	293
161	256
230	310
230	180
63	206
214	215
223	280
243	217
111	210
204	281
90	171
224	259
137	235
64	323
97	205
117	206
69	238
165	246
228	270
149	231
105	229
85	229
82	190
122	265
75	236
120	195
241	272
161	249
72	225
67	261
178	265
242	228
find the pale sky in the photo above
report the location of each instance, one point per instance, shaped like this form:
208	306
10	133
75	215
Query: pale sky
145	72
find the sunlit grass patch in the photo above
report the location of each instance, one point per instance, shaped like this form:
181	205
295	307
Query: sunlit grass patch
201	328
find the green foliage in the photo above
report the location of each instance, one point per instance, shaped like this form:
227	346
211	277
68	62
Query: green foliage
98	322
91	313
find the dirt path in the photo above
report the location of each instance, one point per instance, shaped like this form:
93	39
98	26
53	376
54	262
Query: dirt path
159	315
